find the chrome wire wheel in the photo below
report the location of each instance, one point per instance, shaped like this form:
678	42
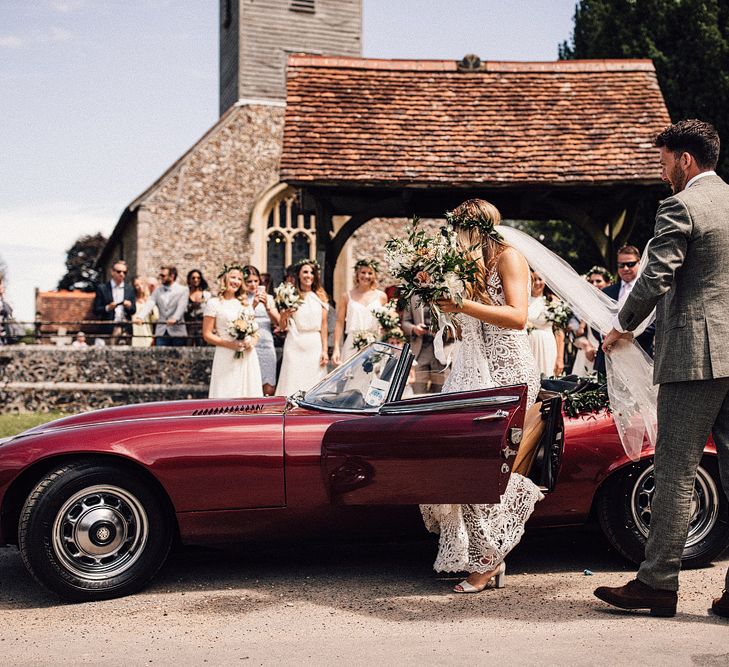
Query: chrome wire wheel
704	504
100	532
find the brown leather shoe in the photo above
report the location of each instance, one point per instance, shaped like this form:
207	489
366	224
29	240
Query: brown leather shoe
637	595
720	606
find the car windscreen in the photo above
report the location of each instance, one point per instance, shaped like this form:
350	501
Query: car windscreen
360	383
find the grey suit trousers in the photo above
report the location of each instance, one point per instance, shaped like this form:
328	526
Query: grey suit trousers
687	413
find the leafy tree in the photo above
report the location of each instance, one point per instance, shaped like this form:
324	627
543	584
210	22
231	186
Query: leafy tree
688	41
80	259
568	241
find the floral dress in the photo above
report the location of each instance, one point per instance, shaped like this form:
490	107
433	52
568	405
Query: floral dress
476	538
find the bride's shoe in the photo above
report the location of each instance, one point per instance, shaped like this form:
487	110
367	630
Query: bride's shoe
498	579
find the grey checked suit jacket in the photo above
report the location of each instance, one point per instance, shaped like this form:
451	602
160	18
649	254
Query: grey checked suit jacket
685	280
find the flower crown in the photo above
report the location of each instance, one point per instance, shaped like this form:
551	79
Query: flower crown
311	262
371	263
486	227
230	267
601	270
396	333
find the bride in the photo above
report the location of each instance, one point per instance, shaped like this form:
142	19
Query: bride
494	351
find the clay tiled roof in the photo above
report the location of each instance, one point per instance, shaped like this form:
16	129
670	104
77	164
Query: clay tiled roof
64	306
382	122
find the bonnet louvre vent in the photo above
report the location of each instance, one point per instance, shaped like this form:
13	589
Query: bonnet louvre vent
227	410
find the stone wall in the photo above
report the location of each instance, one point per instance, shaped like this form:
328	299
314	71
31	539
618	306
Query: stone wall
42	378
198	215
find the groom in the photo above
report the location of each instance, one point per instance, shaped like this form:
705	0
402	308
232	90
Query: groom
685	281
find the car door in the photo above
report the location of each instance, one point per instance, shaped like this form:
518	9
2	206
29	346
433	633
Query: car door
445	448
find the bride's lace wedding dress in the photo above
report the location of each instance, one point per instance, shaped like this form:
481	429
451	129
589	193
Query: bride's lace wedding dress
476	538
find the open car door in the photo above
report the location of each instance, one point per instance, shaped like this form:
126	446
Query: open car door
442	448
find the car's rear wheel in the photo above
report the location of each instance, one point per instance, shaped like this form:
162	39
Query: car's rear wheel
92	532
624	512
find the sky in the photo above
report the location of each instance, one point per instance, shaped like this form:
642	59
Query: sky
99	97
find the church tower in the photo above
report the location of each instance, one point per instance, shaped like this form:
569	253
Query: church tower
257	36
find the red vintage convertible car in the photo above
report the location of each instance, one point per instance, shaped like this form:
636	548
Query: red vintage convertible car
95	501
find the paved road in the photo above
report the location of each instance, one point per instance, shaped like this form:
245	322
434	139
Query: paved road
363	604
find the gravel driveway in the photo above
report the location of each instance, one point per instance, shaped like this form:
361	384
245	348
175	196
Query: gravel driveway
361	604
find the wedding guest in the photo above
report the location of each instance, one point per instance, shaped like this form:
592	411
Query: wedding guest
586	339
267	317
6	316
355	310
415	321
628	261
547	343
142	332
80	340
115	303
266	283
199	293
236	372
684	280
171	301
305	355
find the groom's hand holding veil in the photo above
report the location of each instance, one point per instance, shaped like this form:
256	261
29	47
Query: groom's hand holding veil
613	337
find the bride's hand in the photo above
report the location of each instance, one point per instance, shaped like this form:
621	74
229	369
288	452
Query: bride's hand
448	306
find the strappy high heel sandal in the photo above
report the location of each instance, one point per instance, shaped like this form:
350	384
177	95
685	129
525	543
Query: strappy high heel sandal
498	579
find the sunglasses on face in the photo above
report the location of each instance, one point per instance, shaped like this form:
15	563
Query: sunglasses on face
120	271
630	265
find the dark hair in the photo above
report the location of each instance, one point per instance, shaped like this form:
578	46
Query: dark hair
316	285
203	282
601	271
249	269
696	137
291	270
171	269
628	250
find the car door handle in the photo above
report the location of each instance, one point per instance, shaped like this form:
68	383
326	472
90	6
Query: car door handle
499	414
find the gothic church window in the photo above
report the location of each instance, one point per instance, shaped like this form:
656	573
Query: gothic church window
290	237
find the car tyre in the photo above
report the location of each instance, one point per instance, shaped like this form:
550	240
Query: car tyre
92	532
623	511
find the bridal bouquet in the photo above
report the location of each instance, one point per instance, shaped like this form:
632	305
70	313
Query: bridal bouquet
387	315
243	326
362	339
558	313
430	267
286	297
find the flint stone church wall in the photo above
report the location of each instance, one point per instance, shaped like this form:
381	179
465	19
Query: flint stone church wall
42	378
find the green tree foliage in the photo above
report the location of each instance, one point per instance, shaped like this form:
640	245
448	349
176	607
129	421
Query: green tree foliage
564	239
80	259
688	41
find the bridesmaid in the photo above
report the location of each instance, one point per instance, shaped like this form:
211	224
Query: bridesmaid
354	311
267	317
546	344
231	377
305	355
142	332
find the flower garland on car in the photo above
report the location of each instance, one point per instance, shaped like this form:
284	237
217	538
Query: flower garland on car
428	268
243	326
590	400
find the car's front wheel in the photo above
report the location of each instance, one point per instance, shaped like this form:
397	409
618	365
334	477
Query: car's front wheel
92	532
624	508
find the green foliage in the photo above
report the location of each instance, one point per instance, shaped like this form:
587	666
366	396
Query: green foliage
14	424
81	273
564	239
591	400
688	41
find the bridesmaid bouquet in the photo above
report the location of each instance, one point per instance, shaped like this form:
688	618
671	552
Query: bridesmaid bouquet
362	339
387	315
243	326
286	297
558	313
430	267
